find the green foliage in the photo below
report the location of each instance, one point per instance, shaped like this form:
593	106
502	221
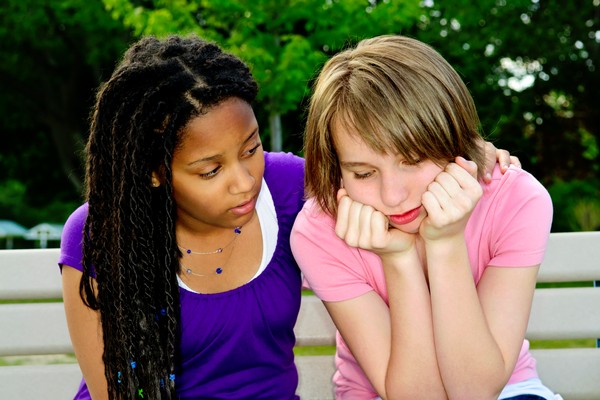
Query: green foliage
284	44
55	53
532	69
576	205
15	205
559	344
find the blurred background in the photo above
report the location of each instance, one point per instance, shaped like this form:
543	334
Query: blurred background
531	66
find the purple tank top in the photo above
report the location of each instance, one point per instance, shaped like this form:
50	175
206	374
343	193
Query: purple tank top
237	344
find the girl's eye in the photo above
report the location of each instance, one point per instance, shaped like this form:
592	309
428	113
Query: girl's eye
210	174
252	151
363	176
411	163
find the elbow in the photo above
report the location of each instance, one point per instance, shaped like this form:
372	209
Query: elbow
473	395
472	392
406	391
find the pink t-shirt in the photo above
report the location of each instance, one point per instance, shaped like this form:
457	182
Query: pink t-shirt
509	227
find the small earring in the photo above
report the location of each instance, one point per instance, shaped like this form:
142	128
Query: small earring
155	183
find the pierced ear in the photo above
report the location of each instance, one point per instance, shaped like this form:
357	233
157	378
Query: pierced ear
155	181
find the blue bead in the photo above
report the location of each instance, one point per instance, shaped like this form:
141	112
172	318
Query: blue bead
189	251
172	377
133	364
219	271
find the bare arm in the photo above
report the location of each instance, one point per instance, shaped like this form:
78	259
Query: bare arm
86	334
478	332
394	346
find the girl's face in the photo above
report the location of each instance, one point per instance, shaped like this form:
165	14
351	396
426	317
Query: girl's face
218	168
385	182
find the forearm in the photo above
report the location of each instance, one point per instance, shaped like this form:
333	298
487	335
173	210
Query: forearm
412	370
470	361
86	334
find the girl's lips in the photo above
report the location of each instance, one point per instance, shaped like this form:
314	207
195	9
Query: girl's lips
405	218
245	208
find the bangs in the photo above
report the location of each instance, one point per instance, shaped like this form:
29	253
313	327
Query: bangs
385	123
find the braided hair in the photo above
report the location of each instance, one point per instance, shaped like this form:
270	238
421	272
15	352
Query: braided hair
129	245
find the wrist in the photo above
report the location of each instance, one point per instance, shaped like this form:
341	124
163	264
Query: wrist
445	246
400	259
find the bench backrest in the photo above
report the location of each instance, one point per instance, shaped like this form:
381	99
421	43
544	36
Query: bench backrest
28	328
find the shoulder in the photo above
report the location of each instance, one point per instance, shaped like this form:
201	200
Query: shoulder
282	164
513	219
314	230
331	268
71	243
312	217
284	174
75	223
517	186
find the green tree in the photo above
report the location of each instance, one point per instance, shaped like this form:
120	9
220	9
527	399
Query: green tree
530	65
285	43
54	53
532	68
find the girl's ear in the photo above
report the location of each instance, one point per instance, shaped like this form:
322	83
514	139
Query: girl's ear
158	176
155	181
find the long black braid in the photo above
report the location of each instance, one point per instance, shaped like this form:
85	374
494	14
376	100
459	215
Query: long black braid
129	240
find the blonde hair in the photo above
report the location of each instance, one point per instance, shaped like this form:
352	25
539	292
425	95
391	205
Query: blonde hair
399	96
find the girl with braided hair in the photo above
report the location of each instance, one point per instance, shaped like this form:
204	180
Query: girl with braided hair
177	273
178	278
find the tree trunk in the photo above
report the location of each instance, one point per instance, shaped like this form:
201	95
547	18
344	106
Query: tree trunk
275	125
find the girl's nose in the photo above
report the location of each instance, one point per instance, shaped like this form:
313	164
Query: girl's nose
242	179
393	190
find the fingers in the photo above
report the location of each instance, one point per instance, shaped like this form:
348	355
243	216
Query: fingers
503	157
341	225
494	155
467	165
515	162
491	156
360	225
453	194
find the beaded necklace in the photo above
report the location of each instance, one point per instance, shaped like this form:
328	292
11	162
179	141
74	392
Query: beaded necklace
218	270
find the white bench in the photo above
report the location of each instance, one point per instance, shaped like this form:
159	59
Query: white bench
558	313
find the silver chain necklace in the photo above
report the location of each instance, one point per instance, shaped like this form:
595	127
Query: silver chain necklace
237	231
218	270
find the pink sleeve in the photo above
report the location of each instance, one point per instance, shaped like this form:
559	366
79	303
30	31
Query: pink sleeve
333	270
522	221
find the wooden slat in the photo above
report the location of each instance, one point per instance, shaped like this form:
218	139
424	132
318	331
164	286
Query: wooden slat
315	373
571	256
565	313
35	382
33	328
572	373
314	326
29	274
558	313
